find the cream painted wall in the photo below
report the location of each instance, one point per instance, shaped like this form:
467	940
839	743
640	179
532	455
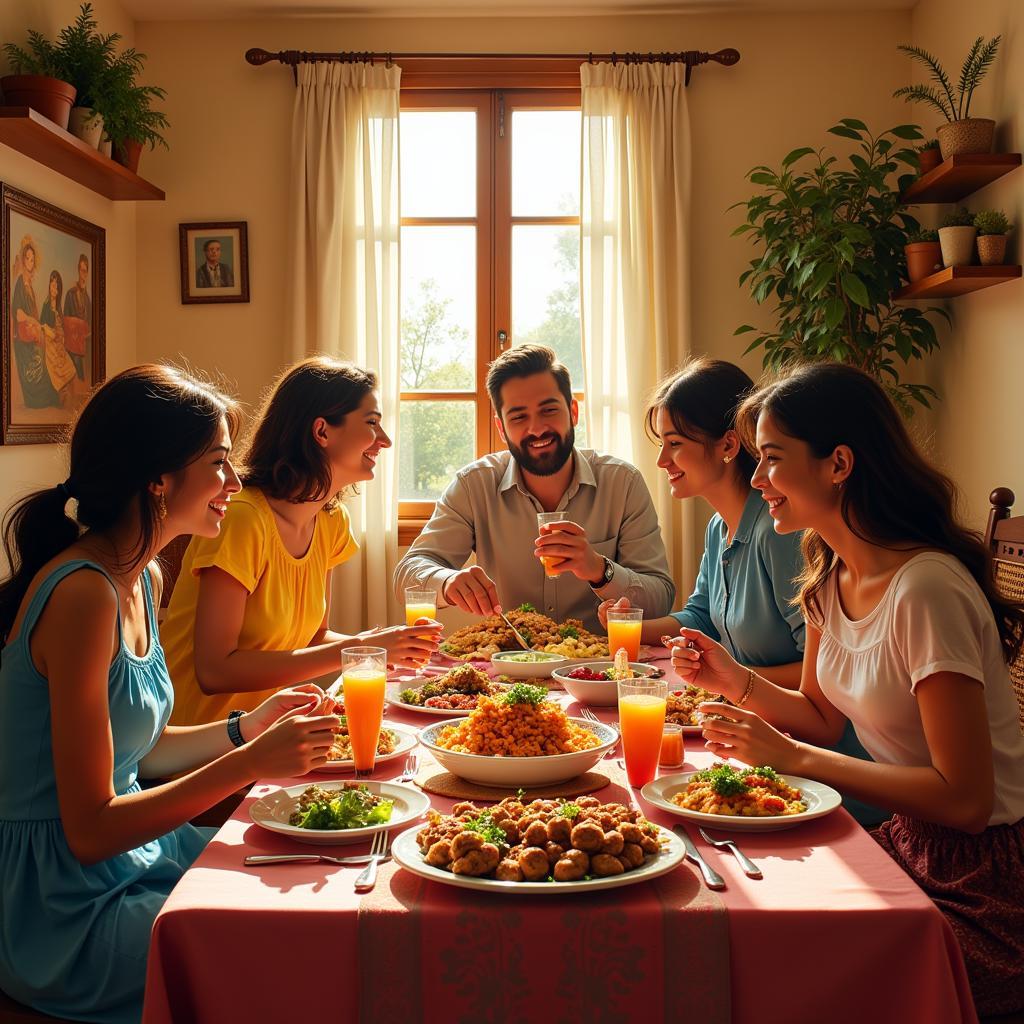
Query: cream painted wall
229	157
981	365
26	467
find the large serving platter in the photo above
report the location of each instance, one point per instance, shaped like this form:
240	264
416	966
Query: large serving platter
525	772
273	811
820	800
407	741
646	654
393	689
405	850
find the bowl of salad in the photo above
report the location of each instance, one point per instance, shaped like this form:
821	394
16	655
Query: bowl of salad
528	664
595	682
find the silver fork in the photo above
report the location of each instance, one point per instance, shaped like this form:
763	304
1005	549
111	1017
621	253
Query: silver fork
750	869
412	766
259	859
367	878
591	717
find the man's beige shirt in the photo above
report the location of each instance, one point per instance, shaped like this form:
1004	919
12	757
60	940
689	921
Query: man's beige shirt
488	510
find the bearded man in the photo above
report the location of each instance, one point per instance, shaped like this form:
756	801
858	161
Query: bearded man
608	545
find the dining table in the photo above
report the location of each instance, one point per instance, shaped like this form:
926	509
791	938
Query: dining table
833	930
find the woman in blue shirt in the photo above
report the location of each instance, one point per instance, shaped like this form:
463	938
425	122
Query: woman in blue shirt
745	590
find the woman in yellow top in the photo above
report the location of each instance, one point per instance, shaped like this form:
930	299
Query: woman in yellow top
249	613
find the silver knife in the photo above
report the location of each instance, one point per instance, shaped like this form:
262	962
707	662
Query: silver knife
712	878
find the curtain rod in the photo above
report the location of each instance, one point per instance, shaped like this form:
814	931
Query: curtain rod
691	58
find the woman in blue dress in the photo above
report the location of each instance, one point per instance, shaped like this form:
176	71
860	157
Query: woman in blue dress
745	592
89	857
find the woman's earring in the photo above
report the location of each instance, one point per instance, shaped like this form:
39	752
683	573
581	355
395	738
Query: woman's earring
162	507
727	459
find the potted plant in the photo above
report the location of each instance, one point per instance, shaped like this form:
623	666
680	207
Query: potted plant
130	121
86	57
831	243
961	133
38	79
924	255
993	227
956	237
928	156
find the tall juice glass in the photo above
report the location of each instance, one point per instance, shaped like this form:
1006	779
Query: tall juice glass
364	676
419	604
624	627
641	722
551	565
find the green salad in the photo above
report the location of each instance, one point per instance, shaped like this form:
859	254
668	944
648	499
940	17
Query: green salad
353	806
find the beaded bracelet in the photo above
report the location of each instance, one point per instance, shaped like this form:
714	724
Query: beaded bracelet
746	692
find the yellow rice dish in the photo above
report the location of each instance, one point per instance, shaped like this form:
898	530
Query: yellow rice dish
744	792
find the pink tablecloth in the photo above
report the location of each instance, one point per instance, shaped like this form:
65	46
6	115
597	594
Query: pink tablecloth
835	930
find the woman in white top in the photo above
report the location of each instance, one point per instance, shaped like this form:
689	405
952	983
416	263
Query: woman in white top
908	639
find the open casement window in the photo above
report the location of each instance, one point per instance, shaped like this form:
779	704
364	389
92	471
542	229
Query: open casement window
490	185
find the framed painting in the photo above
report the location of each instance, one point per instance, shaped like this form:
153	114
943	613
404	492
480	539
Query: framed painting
214	261
54	330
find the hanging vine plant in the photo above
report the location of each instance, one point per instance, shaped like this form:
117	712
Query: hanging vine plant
831	240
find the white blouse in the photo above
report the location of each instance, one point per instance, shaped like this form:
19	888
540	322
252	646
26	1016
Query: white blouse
932	618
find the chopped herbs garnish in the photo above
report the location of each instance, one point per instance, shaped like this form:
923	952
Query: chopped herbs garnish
725	780
523	693
569	631
765	772
485	826
526	607
569	810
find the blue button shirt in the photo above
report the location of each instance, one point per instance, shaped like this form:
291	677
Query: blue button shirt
743	599
744	592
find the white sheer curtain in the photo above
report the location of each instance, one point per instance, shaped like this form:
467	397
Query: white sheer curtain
634	278
344	285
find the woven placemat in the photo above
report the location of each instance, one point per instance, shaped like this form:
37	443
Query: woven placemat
445	784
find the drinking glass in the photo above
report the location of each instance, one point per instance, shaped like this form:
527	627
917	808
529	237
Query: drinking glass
642	723
673	747
419	604
551	565
624	625
364	677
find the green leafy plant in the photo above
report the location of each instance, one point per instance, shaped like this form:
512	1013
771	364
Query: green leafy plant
831	241
961	217
128	115
954	106
41	58
922	235
86	57
992	222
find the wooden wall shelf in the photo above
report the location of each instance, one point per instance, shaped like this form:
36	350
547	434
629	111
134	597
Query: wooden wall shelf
959	176
38	137
957	281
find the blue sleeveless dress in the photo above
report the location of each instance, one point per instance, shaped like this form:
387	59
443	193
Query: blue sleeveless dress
74	938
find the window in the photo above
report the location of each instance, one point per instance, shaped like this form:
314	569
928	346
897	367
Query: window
490	257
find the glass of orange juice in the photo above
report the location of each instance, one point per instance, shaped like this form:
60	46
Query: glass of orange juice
673	748
642	723
624	625
364	677
551	565
419	604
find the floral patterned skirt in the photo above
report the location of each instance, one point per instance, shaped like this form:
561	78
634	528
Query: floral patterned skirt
977	881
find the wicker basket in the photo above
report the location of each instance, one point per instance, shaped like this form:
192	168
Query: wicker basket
971	135
1010	583
991	250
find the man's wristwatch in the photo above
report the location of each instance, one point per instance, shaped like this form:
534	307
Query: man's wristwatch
606	576
234	729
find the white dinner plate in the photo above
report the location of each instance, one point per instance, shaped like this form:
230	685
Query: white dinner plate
394	689
406	742
405	850
820	800
273	811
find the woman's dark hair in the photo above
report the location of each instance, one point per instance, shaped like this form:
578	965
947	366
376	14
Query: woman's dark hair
893	497
701	399
55	276
145	422
280	456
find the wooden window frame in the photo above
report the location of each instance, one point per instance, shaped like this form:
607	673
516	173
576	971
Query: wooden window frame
429	85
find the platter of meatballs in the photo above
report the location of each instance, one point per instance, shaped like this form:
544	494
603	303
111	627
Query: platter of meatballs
542	845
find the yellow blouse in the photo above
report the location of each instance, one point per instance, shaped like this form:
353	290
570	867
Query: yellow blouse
286	604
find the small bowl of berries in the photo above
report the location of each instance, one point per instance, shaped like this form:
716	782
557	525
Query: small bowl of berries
595	682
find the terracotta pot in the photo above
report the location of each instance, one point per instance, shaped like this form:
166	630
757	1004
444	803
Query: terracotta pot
971	135
87	125
957	245
991	250
928	160
923	258
48	96
127	153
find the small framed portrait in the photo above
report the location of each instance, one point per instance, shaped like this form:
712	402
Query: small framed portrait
214	262
53	332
